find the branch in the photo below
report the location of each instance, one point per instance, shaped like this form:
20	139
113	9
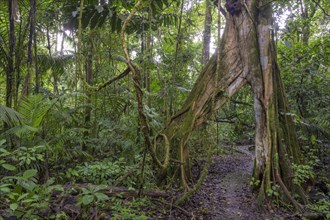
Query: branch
323	10
120	76
315	8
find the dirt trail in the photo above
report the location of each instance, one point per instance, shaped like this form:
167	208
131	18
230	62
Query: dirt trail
226	193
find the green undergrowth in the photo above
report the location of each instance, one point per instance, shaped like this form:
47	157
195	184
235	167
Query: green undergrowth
73	191
102	172
23	197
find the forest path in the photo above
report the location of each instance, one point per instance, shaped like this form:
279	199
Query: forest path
226	193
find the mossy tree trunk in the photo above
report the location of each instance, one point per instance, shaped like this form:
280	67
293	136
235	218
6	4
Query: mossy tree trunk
246	56
276	142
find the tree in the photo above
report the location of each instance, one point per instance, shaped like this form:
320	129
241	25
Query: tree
163	47
247	55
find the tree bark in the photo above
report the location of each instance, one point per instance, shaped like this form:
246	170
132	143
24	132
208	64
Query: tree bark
273	124
246	56
10	70
207	32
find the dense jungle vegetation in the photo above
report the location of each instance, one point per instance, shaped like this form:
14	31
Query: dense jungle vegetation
132	109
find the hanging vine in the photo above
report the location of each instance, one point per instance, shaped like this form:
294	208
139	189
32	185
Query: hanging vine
145	128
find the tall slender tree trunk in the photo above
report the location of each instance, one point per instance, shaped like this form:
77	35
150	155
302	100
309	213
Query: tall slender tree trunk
10	70
89	80
149	45
246	56
174	77
27	81
207	32
37	83
17	63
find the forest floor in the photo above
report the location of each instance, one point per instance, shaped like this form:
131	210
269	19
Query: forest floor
226	193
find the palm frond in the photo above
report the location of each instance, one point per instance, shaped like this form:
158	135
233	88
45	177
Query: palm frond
9	116
33	109
116	105
20	131
56	63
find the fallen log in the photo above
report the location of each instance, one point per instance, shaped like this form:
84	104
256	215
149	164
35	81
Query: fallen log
118	190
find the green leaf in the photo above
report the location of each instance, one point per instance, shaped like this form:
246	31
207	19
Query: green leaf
101	196
22	196
10	116
100	187
28	184
29	173
87	199
3	150
13	206
5	189
9	167
313	139
2	142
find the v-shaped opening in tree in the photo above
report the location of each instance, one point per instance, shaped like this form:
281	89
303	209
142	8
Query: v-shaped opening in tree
246	56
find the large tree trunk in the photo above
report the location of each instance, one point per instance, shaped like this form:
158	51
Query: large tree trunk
276	142
246	56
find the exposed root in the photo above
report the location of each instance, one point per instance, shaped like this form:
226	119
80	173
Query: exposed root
297	205
201	179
